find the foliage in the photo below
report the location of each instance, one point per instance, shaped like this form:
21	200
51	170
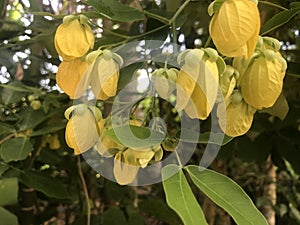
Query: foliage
43	182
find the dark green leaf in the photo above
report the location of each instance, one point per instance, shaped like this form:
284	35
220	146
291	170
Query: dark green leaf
135	136
6	129
3	168
180	197
114	215
293	69
115	10
228	195
15	149
204	138
160	210
13	92
9	191
52	187
126	74
278	20
280	108
49	129
7	218
294	5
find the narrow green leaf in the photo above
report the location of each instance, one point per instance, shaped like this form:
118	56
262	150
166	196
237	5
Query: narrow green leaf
135	137
7	218
3	168
180	197
15	149
49	129
228	195
9	191
115	10
278	20
114	215
280	108
204	138
52	187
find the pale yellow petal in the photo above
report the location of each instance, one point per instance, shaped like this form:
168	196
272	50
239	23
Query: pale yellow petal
123	172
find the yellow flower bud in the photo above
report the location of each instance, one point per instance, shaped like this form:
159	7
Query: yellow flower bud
82	130
71	77
35	104
261	84
104	73
197	85
235	27
124	172
164	81
73	38
238	118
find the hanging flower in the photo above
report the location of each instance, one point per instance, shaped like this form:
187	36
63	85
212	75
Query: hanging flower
104	73
164	81
262	81
235	26
82	130
74	37
239	116
198	82
70	77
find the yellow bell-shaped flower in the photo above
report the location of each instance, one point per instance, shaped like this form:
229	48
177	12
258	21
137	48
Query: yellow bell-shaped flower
128	163
198	83
74	37
262	82
239	116
71	78
82	130
234	28
164	81
104	73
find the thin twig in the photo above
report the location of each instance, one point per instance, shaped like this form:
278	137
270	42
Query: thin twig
85	190
273	4
7	138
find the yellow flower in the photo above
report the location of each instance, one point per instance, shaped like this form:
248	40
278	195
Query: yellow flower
239	116
234	28
228	81
74	37
82	130
197	82
262	82
104	73
128	163
164	81
70	77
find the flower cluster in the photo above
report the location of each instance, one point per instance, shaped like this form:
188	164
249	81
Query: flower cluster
252	81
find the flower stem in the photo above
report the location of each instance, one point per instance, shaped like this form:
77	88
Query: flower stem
85	190
273	4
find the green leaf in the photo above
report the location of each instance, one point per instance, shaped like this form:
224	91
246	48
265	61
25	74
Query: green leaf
280	108
15	149
295	5
52	187
49	129
13	92
9	191
160	210
293	69
127	72
116	11
114	215
228	195
278	20
180	197
7	218
3	168
141	137
204	138
6	129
